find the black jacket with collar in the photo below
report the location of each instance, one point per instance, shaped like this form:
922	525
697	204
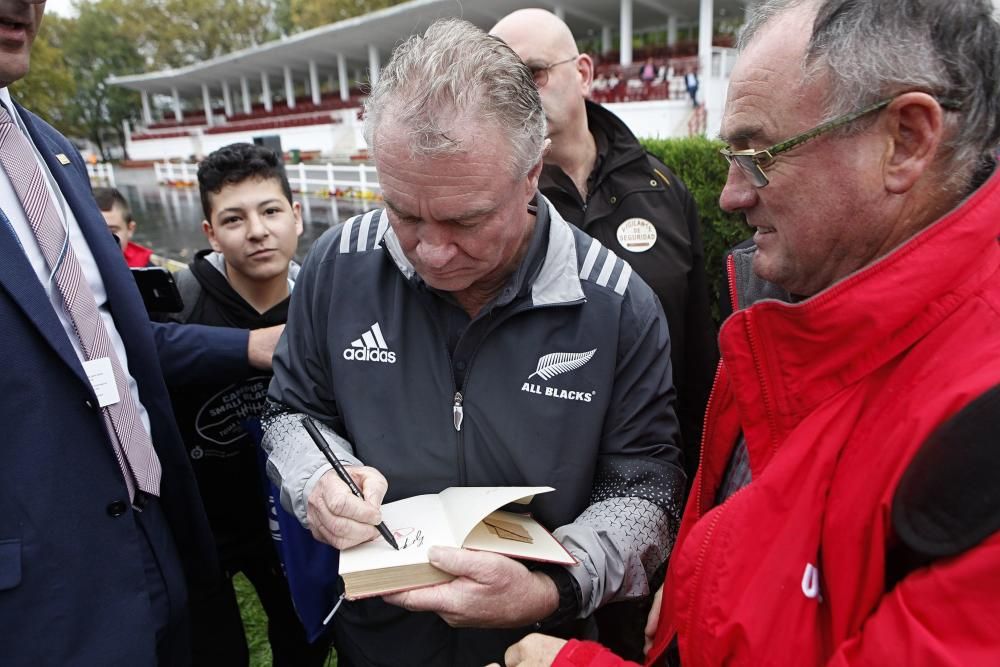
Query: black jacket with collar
628	183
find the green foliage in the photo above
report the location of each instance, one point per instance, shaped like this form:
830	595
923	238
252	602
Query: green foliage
94	49
174	33
306	14
73	57
254	622
255	625
697	162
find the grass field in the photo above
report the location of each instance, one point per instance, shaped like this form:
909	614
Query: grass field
255	624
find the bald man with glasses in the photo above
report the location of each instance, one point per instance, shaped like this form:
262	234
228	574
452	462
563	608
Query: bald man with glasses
599	177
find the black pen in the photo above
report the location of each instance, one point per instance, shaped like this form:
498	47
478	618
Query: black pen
342	473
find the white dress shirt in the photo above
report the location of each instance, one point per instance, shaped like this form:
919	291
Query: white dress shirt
10	203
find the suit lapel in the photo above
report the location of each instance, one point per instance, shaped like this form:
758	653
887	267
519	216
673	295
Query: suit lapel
124	302
18	278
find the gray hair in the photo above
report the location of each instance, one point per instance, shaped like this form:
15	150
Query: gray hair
451	73
873	49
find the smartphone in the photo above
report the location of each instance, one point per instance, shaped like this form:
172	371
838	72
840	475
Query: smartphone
158	289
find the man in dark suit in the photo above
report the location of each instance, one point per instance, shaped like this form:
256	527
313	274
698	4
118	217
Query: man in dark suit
102	534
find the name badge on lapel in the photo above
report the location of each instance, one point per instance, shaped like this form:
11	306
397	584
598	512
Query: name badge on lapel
62	158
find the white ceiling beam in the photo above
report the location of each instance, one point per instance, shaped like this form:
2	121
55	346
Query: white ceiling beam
661	7
588	16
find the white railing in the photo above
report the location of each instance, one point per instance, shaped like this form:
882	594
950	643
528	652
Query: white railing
171	173
306	178
303	178
102	173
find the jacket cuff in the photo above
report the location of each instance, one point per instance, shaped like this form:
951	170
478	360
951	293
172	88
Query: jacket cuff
303	500
570	598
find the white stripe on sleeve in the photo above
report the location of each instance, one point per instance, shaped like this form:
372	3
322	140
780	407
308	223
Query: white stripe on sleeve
345	236
588	261
366	223
623	277
609	266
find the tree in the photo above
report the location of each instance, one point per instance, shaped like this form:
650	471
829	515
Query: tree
96	48
73	57
174	33
306	14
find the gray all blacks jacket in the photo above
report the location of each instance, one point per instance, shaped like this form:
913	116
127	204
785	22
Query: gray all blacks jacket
564	381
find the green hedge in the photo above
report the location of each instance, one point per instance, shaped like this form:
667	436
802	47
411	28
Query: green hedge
697	162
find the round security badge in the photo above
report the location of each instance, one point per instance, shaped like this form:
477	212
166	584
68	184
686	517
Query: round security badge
637	234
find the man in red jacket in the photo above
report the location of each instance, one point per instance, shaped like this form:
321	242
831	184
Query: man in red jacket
861	138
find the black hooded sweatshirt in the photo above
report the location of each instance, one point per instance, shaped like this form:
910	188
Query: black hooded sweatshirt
218	421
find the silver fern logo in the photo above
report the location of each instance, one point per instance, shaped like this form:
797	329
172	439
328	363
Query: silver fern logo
558	363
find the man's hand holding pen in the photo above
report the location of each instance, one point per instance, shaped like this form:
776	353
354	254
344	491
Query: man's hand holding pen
340	519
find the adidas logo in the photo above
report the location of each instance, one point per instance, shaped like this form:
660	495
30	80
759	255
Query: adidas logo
370	347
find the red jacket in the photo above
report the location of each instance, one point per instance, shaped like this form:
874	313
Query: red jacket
137	256
834	396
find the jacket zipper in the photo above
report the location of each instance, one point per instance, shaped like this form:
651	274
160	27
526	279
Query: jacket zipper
705	437
755	351
697	601
456	410
458	401
699	507
731	277
765	394
699	501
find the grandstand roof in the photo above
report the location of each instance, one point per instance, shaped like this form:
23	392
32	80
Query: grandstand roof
387	27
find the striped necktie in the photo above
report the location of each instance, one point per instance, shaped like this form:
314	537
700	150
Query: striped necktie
132	445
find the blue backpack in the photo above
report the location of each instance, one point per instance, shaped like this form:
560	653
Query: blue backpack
310	566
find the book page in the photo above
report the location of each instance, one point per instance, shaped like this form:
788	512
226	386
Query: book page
465	506
417	523
539	544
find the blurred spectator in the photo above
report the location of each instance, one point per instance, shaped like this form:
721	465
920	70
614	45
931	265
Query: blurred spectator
648	71
691	83
118	215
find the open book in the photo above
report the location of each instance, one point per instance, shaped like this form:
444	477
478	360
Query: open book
459	516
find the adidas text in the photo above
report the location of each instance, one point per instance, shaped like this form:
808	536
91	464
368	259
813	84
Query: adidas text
369	354
370	347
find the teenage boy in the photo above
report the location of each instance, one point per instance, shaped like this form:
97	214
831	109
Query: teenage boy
243	281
